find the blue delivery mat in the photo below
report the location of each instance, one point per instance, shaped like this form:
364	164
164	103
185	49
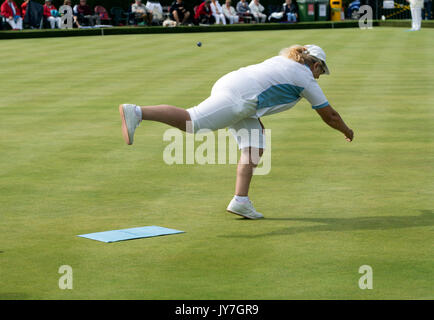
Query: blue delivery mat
129	234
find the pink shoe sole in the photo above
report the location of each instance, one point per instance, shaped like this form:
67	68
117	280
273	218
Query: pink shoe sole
124	125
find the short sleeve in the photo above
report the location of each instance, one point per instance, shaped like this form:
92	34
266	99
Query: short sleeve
315	96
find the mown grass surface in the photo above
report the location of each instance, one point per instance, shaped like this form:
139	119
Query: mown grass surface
330	206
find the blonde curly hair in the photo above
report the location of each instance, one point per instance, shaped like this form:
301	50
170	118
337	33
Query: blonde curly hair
299	54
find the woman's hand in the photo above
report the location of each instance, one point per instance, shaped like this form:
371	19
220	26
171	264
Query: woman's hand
349	135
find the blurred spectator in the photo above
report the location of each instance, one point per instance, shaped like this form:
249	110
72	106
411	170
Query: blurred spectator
427	10
256	8
12	13
74	15
51	14
156	9
141	12
204	14
217	12
230	12
67	3
85	14
290	11
243	10
178	12
34	15
24	7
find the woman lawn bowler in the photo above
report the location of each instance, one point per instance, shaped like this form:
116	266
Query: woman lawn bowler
239	99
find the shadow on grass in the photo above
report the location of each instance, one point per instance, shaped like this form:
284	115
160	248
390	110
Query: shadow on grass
348	224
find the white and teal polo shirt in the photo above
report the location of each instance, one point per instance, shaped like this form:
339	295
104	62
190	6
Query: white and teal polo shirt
277	84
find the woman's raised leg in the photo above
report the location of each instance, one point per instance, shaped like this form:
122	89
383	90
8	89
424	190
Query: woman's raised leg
171	115
131	115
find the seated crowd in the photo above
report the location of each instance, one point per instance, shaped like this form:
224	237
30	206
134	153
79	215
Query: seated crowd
213	12
206	13
13	15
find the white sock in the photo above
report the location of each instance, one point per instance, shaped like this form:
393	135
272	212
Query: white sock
138	112
241	198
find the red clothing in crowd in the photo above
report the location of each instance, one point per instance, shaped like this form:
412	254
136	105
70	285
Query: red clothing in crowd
202	10
47	10
24	8
84	10
6	10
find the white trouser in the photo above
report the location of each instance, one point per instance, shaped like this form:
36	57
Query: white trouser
416	18
259	17
54	21
227	107
224	110
219	17
233	19
15	25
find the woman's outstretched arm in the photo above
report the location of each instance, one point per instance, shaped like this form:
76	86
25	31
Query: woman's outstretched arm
334	120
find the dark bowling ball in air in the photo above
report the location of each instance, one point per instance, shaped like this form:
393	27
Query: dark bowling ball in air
199	44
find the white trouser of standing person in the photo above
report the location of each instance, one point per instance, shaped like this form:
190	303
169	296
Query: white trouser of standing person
416	17
233	19
416	14
219	17
18	24
54	21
